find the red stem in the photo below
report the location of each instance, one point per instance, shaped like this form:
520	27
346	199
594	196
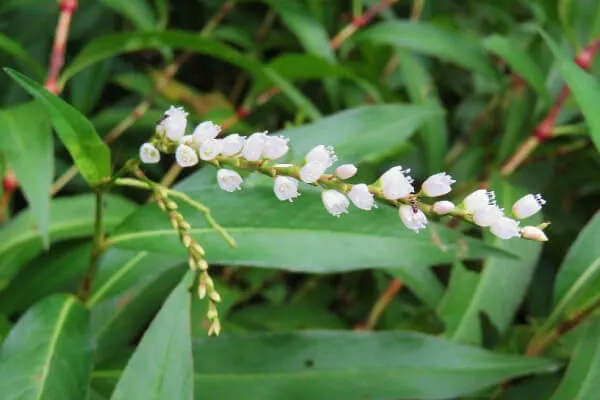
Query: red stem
57	58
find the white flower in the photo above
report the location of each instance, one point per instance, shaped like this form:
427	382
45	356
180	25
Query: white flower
443	207
275	147
206	130
311	172
534	233
188	140
254	146
361	197
412	217
528	205
396	184
321	154
505	228
335	202
479	199
485	216
286	188
437	185
346	171
210	148
186	156
173	123
232	144
229	180
149	154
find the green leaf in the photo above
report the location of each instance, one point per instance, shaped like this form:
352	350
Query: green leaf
584	87
519	61
89	153
162	366
70	217
579	275
346	365
422	281
461	289
49	353
137	11
581	379
13	48
300	236
110	46
503	283
361	133
433	41
26	139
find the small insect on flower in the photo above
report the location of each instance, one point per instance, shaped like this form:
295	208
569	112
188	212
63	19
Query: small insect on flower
185	156
361	197
528	205
149	154
229	180
412	217
438	185
335	202
285	188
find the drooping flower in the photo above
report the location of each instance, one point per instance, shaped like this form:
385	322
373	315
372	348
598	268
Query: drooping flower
361	197
396	183
206	130
505	228
534	233
275	147
485	216
210	148
285	188
229	180
479	199
335	202
528	205
412	217
173	123
311	172
186	156
254	146
438	185
232	144
346	171
149	154
443	207
322	154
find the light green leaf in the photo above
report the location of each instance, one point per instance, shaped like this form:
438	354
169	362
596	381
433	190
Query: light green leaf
584	87
89	153
301	236
461	289
433	41
162	366
49	354
422	281
26	139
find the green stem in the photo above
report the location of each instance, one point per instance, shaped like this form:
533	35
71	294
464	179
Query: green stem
97	248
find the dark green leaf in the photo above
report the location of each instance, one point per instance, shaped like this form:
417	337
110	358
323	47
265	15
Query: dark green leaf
137	11
49	353
13	48
89	153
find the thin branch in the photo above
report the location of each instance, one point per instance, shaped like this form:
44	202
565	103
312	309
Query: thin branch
97	249
381	304
57	58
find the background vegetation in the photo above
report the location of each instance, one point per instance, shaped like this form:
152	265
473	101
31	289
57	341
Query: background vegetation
498	93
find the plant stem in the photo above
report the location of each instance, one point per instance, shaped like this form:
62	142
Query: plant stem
97	248
381	304
57	58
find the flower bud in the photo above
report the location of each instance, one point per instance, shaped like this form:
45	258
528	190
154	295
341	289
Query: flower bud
361	197
254	146
505	228
335	203
437	185
346	171
206	130
485	216
528	205
210	148
412	217
443	207
396	183
232	144
275	147
312	172
229	180
322	154
149	154
285	188
534	233
185	156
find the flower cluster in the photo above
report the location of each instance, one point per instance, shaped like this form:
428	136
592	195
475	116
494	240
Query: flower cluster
395	186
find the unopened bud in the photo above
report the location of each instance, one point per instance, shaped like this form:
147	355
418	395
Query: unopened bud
184	225
198	249
201	288
215	328
534	233
346	171
212	313
202	264
214	296
186	240
443	207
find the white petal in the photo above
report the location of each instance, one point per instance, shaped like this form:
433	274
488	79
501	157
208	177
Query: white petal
275	147
254	147
528	205
173	123
534	233
335	202
186	156
229	180
505	228
188	140
322	154
311	172
361	197
443	207
149	154
485	216
438	185
479	199
346	171
210	148
232	144
206	130
396	184
285	188
413	218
